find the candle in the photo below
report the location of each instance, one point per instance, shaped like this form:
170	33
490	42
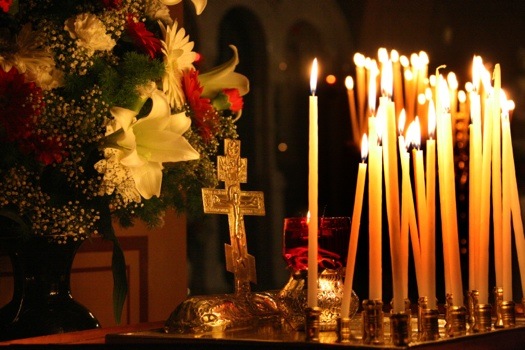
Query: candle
354	233
484	211
448	196
375	190
517	222
422	214
474	188
349	83
359	61
398	81
506	234
312	190
391	182
496	177
408	214
431	201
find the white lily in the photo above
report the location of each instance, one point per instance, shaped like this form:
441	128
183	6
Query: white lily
224	77
148	142
199	4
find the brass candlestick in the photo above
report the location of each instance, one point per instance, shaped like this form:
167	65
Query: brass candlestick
458	321
312	327
400	329
344	334
483	313
429	325
473	297
373	327
498	299
508	314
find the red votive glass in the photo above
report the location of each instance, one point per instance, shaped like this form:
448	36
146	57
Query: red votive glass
333	236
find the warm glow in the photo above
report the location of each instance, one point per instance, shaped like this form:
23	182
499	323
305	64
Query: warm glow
313	77
410	135
504	104
308	217
431	119
469	87
364	147
387	79
349	83
462	96
511	105
443	95
432	80
394	55
408	74
404	61
330	79
423	58
359	60
452	81
401	121
477	69
380	122
486	80
417	133
428	93
415	61
382	55
421	99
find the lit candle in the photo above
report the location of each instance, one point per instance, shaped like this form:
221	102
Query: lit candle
391	182
496	177
448	196
506	234
431	202
398	81
312	190
515	208
354	230
375	192
359	61
474	188
422	213
349	83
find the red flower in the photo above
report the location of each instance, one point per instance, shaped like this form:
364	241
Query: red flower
235	100
142	37
5	5
20	105
204	115
112	4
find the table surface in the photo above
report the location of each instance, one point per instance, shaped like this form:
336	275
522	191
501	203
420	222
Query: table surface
150	336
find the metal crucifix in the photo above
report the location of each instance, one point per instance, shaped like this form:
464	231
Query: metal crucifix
232	169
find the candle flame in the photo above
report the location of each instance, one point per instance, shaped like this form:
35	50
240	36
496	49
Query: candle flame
401	121
432	80
382	55
452	81
308	217
486	80
408	74
477	69
431	119
404	61
359	59
414	60
417	133
349	83
462	96
428	93
421	98
469	87
423	58
409	138
394	55
364	147
387	79
380	122
313	76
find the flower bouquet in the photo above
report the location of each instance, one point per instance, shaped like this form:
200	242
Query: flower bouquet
104	117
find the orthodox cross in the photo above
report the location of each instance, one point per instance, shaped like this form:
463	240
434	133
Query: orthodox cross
232	169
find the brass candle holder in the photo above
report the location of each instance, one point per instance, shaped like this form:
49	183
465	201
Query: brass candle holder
400	329
483	316
344	334
429	325
373	325
312	323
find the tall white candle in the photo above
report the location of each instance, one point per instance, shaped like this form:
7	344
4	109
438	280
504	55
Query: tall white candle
313	190
354	230
431	202
496	177
506	234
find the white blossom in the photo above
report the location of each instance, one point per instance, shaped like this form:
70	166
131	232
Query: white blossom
90	33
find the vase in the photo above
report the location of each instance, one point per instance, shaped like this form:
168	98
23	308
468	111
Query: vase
42	302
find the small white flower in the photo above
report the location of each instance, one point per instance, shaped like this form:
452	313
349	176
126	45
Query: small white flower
178	57
90	33
157	10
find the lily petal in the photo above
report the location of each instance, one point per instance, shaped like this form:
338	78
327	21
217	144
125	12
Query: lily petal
199	5
179	123
164	146
148	179
224	77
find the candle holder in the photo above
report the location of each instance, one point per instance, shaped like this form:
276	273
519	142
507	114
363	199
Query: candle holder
344	333
312	324
472	301
483	313
458	321
400	329
498	299
508	314
429	325
333	245
421	305
373	325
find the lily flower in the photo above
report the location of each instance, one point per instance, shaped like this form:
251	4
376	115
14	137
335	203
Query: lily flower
199	4
224	77
146	143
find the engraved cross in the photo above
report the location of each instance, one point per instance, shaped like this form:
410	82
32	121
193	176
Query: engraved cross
232	169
